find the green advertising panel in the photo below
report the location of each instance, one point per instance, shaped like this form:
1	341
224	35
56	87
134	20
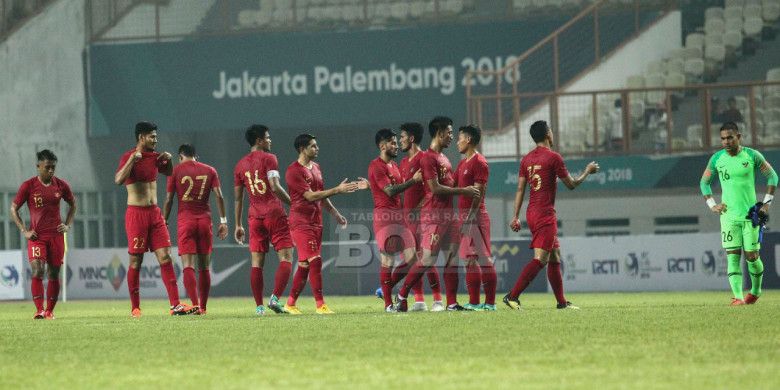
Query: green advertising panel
299	79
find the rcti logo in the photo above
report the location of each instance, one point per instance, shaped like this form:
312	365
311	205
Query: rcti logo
115	273
714	264
680	265
605	267
9	276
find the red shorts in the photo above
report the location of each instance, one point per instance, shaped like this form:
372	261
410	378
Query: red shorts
544	234
475	240
195	235
146	230
49	249
308	241
272	228
414	227
393	237
437	235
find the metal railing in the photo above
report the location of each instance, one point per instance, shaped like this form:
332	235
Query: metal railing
559	59
640	120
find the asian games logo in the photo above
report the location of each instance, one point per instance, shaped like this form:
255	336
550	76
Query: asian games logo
9	276
115	273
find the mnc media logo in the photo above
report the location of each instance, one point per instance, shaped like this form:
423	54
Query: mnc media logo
638	265
714	264
570	269
9	276
605	267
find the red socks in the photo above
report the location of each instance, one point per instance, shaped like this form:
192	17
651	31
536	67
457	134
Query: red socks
282	277
315	280
256	280
556	281
433	281
399	273
204	286
417	290
526	276
52	293
299	282
169	279
473	283
451	283
489	281
190	284
415	274
133	284
36	288
385	277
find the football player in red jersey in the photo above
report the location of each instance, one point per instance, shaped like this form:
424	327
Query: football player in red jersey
144	224
411	136
474	220
192	183
438	221
540	169
391	233
258	173
45	237
304	180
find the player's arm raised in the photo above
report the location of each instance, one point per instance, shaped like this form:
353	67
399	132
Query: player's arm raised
276	187
572	183
123	172
344	187
238	200
519	195
222	230
395	189
706	188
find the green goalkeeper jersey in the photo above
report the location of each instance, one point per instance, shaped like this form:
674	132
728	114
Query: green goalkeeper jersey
737	180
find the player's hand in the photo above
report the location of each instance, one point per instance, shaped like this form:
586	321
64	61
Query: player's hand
472	191
137	155
239	235
467	225
31	235
764	209
719	208
515	225
222	231
417	177
341	220
164	156
347	186
63	228
592	167
362	183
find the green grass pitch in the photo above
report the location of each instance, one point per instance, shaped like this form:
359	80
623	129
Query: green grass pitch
637	340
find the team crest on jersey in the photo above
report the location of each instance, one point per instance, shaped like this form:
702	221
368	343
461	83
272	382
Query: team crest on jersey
745	164
56	194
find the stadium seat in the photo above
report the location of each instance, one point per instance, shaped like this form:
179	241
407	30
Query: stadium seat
694	136
734	3
655	67
771	11
675	65
712	39
694	70
713	13
732	13
752	11
264	17
753	27
655	98
742	104
772	132
247	18
692	52
735	24
695	40
771	114
399	11
714	56
714	26
715	134
674	80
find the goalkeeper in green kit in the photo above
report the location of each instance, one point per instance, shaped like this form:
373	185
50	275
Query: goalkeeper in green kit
741	218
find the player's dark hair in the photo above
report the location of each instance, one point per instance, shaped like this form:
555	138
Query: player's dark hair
383	135
539	131
302	141
439	123
415	130
46	154
472	131
187	150
254	132
730	126
144	128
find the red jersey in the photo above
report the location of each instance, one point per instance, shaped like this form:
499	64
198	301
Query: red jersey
381	175
251	172
541	168
436	165
414	194
144	170
43	201
192	182
299	180
469	172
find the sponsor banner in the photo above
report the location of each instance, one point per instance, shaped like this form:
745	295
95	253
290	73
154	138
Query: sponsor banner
11	268
644	263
